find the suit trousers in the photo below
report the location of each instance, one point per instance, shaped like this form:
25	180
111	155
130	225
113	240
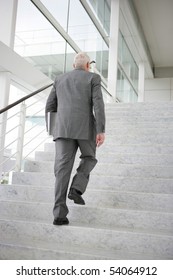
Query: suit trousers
64	160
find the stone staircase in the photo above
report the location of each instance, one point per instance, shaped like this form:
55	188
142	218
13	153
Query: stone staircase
129	200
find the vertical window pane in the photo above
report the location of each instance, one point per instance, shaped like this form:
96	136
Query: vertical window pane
129	67
59	10
70	53
37	41
81	28
102	11
87	37
125	92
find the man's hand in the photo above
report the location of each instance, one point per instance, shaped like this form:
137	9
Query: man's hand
100	138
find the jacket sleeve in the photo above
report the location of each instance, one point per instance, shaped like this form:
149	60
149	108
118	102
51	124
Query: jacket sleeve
98	104
51	104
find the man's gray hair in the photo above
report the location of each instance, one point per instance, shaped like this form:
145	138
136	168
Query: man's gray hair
81	59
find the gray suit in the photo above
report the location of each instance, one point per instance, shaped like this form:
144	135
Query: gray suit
77	98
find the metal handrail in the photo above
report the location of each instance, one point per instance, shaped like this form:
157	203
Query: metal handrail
32	94
107	92
24	98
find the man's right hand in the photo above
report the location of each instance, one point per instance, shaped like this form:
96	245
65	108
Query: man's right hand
100	138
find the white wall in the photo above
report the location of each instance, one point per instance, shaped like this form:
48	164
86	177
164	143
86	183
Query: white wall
23	72
8	13
158	90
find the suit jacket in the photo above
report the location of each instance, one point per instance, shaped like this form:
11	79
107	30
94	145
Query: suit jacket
77	98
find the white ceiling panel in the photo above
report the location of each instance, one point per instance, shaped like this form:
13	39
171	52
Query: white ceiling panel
156	17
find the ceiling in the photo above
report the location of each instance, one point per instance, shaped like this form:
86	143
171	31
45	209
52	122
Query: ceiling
156	17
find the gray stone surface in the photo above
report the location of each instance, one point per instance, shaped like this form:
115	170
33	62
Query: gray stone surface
129	200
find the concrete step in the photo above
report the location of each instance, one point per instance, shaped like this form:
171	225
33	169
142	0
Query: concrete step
24	252
132	139
28	252
132	130
139	113
112	169
47	236
137	125
139	184
110	123
102	198
120	149
128	158
141	105
134	170
115	219
137	108
137	118
140	139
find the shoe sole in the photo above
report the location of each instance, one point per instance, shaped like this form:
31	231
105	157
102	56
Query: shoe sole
60	223
76	199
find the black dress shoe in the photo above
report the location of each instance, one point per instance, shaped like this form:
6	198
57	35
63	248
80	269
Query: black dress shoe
60	221
76	196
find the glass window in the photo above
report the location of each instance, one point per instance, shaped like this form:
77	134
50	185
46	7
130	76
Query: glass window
59	10
41	45
70	53
134	74
102	11
128	64
102	59
125	92
81	28
87	37
37	41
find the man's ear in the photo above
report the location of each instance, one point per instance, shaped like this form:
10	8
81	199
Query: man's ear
88	65
73	65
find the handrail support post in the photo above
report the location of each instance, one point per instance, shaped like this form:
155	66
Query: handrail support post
20	141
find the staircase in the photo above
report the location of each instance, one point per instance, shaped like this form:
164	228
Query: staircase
129	200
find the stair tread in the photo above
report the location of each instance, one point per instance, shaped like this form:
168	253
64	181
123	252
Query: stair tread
75	253
117	251
71	204
102	190
78	225
155	222
101	164
75	225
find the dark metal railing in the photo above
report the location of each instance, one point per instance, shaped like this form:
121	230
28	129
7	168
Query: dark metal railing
32	94
24	98
107	92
